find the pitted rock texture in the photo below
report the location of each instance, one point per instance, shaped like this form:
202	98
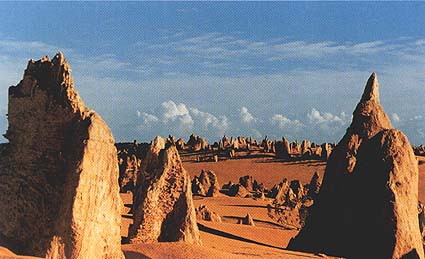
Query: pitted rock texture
149	164
314	185
283	149
166	211
206	184
247	220
58	174
204	213
367	205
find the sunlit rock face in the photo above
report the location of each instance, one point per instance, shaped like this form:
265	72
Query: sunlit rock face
165	210
58	174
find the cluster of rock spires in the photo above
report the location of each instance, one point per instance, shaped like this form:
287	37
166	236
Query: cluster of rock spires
197	149
246	187
195	143
58	174
206	184
368	203
163	208
130	156
293	201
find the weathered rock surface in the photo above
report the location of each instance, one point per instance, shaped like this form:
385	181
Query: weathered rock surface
203	213
130	156
129	166
297	188
251	184
238	190
283	149
326	151
296	148
247	181
367	206
266	144
305	145
197	143
180	145
166	211
279	191
206	184
58	174
148	166
248	220
314	185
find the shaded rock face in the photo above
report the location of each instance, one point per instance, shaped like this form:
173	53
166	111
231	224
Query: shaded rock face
266	144
197	143
166	211
206	184
421	217
250	184
238	190
58	174
297	188
203	213
283	149
314	185
367	205
180	145
247	181
295	147
130	156
279	191
248	220
305	145
129	166
326	151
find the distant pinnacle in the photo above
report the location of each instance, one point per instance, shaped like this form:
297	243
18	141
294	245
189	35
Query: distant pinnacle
371	91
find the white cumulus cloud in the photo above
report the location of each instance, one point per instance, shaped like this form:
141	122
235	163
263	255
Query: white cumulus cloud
286	124
208	121
395	118
180	120
172	111
319	118
147	118
246	116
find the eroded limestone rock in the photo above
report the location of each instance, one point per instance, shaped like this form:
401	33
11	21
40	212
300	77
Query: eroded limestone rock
367	205
59	172
203	213
165	211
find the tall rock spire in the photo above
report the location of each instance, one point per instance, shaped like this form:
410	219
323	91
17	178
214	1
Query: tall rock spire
371	91
59	171
165	211
367	205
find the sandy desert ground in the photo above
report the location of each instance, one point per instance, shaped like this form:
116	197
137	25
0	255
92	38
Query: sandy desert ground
231	240
228	239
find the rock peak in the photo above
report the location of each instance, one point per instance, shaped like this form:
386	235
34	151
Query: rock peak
163	206
371	91
369	116
72	196
373	175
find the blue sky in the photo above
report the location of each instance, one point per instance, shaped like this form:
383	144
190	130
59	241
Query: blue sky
247	68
